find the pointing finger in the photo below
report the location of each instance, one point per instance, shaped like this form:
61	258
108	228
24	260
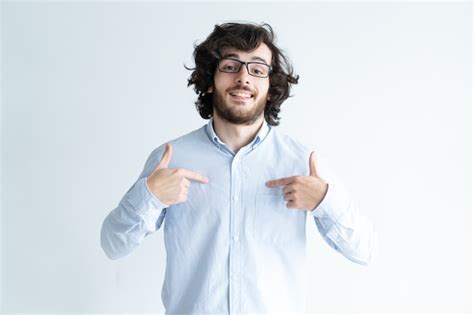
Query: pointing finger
279	182
194	175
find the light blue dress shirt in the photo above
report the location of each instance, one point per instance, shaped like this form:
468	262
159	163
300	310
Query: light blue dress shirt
233	246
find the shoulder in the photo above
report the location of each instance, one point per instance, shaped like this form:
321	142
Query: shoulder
184	142
191	137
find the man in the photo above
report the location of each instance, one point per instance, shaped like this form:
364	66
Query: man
235	194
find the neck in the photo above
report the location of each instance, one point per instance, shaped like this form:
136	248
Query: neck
236	136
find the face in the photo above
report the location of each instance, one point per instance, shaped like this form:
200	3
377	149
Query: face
240	98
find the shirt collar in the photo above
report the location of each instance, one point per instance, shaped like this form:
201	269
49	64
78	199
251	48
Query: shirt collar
261	134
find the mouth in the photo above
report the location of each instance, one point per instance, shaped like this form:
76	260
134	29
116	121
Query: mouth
241	95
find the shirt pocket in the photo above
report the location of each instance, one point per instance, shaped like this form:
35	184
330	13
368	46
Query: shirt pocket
274	223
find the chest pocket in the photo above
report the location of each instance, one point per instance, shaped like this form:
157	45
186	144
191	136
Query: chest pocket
274	223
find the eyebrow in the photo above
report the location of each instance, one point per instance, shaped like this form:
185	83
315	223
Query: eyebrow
233	55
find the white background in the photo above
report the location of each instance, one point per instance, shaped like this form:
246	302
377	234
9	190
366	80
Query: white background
90	89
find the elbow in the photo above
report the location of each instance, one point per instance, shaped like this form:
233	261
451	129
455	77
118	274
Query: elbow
109	253
358	258
107	245
366	249
362	253
107	248
366	254
364	261
117	243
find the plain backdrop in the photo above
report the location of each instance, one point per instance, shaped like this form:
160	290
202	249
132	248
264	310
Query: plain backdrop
89	89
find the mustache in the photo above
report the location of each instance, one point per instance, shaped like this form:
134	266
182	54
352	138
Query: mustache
241	87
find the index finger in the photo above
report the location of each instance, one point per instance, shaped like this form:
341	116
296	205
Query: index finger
194	175
280	182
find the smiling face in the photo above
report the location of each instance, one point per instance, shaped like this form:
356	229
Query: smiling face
240	98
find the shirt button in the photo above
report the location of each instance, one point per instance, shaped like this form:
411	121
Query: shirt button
236	198
236	238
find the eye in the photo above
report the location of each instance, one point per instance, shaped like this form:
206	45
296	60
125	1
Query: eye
258	69
229	67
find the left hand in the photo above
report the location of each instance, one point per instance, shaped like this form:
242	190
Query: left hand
302	192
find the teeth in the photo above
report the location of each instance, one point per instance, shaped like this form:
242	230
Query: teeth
240	94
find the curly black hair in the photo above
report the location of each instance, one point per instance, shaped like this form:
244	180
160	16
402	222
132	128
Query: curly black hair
244	37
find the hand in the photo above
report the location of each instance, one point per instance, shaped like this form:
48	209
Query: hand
170	185
303	192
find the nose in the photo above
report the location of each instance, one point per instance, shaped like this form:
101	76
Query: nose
243	76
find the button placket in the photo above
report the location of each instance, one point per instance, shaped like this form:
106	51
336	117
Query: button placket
235	245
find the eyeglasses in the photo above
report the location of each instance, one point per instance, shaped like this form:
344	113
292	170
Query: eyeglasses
256	69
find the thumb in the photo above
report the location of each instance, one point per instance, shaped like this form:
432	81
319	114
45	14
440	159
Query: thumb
166	158
312	165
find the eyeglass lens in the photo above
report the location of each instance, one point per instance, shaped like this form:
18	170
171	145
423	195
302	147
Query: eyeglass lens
254	68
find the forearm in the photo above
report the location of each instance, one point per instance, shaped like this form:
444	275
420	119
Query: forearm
137	215
344	228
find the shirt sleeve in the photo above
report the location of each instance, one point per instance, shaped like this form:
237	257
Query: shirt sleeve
137	215
339	222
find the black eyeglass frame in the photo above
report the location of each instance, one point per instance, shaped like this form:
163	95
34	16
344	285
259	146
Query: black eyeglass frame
246	66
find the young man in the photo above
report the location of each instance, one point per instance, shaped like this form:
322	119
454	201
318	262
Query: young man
235	194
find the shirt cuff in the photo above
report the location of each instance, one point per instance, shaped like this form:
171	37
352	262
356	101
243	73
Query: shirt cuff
142	199
334	204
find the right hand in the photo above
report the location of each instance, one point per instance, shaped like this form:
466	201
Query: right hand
170	185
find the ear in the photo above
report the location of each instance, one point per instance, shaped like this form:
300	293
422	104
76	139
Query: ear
210	89
268	97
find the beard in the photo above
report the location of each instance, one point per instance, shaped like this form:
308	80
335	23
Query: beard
238	114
